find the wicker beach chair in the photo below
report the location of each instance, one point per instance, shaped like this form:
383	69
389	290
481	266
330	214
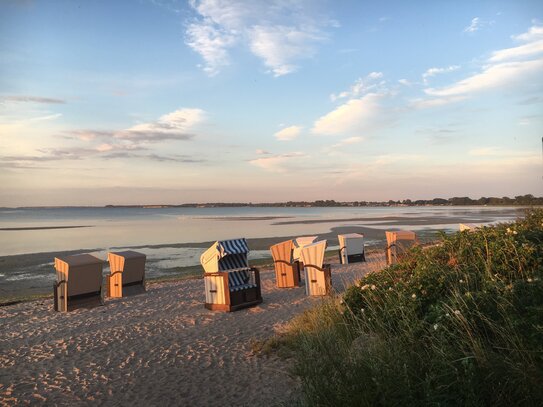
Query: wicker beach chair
127	270
398	243
467	226
287	270
318	277
351	248
79	282
230	284
299	244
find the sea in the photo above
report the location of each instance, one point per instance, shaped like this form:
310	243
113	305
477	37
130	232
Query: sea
174	237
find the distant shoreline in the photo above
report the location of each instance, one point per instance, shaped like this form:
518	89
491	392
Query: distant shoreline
520	201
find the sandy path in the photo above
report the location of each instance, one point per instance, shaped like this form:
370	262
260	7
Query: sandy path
159	348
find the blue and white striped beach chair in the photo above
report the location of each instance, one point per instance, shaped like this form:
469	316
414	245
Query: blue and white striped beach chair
230	283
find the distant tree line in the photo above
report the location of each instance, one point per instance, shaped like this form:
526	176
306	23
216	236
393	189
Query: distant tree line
522	200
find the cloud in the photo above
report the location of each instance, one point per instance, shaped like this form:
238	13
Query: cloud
491	77
504	68
171	126
435	71
348	141
279	46
32	99
522	51
475	25
262	152
353	116
404	82
47	117
212	44
427	103
288	133
361	86
277	163
279	32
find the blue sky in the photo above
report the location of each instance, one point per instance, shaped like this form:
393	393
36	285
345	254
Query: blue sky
163	101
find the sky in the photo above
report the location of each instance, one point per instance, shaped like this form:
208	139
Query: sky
169	102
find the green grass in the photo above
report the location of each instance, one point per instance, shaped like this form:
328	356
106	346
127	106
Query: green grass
458	324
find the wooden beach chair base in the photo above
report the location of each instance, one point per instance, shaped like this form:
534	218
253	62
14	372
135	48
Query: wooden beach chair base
231	300
288	276
115	289
88	300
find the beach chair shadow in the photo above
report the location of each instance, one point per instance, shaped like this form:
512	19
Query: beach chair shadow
127	274
287	270
79	282
230	284
318	276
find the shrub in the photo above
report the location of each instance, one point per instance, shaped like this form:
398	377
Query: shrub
460	323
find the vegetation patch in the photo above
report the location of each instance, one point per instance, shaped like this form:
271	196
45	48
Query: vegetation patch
456	324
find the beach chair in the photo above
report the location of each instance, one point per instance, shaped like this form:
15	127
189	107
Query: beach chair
467	226
127	269
351	248
287	270
318	276
398	243
230	284
299	244
79	282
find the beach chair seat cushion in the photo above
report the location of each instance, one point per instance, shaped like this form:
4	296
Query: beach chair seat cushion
239	280
242	287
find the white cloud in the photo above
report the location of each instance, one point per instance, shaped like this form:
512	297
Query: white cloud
475	25
356	115
262	152
277	163
212	44
534	33
171	126
279	46
361	86
435	71
288	133
492	76
503	68
279	32
404	82
526	50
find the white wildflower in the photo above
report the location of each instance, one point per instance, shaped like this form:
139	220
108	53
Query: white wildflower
364	287
461	281
435	327
373	287
414	296
456	312
529	280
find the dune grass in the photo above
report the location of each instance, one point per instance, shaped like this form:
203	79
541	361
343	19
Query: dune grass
457	324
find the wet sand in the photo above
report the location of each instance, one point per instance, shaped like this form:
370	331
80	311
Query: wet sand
158	348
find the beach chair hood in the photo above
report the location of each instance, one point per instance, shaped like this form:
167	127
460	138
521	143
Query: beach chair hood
282	251
313	254
225	255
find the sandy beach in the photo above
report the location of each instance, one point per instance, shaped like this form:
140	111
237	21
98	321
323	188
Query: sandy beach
158	348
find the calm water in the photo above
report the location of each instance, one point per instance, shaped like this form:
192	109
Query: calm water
124	227
119	228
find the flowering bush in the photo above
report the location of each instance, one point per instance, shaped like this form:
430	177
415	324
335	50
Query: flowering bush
459	323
